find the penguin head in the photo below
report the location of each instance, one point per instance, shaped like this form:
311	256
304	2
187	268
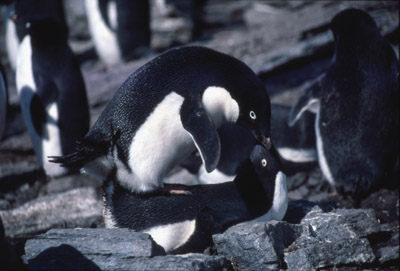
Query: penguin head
351	22
255	113
40	17
266	163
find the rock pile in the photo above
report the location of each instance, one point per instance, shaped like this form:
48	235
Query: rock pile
313	237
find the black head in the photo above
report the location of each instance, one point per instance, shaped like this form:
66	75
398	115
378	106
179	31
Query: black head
352	22
44	18
266	163
254	103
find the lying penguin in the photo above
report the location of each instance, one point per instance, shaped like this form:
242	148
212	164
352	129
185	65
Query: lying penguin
186	223
165	110
357	104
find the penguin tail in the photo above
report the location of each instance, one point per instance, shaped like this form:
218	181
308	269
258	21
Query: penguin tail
84	154
73	160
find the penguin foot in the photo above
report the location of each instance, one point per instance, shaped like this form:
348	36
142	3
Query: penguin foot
175	191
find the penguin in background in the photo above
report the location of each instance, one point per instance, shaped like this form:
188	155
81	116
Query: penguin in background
357	105
3	101
186	223
165	110
49	82
120	28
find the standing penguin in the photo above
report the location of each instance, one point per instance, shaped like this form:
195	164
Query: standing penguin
165	109
186	223
120	28
49	83
357	102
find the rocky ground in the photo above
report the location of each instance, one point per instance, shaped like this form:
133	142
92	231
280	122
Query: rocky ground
287	44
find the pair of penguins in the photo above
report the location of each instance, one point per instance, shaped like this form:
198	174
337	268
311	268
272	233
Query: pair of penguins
159	116
173	105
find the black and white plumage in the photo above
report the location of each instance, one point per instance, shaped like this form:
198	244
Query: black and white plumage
296	146
165	110
185	223
120	29
357	102
49	83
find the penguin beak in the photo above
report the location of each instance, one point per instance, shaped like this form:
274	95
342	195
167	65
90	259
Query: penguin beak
262	139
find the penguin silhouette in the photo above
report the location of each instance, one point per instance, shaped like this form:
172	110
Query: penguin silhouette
357	104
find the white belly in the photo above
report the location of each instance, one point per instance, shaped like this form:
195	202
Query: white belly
321	156
43	146
104	39
280	202
159	145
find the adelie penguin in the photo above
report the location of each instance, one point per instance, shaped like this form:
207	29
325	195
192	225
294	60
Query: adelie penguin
186	223
357	103
165	110
120	29
49	83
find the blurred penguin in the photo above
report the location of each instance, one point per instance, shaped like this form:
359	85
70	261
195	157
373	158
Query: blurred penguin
120	28
49	82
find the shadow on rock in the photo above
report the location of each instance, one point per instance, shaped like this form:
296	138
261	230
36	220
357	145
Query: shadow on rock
63	257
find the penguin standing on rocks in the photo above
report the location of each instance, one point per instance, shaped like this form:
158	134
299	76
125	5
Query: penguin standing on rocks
49	83
357	103
165	110
120	28
186	223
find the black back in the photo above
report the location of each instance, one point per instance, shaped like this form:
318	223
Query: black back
359	105
187	71
360	112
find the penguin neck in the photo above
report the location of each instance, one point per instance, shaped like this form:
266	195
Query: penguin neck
252	190
46	33
219	105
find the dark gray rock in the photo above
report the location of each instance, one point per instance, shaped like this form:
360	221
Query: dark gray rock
322	239
109	249
80	207
334	238
248	246
324	253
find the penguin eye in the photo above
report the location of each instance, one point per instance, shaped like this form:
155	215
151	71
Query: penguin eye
253	115
264	162
28	25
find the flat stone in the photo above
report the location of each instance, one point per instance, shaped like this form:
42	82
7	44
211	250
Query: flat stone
250	246
80	207
109	249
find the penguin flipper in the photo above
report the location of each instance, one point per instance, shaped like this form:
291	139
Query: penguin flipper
203	132
38	115
309	100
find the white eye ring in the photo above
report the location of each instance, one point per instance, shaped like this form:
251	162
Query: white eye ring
264	162
253	115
